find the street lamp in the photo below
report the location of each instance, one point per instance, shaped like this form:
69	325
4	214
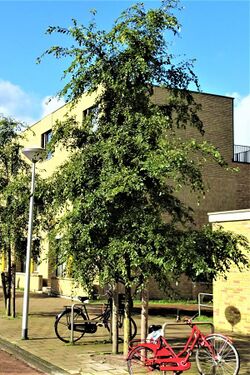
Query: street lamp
34	154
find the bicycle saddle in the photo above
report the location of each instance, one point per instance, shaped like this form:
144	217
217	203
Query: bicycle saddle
153	328
83	299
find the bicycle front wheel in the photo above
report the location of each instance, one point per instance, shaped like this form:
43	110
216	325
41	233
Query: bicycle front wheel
141	361
223	359
63	325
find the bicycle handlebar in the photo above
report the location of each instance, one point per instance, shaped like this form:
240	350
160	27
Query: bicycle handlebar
189	321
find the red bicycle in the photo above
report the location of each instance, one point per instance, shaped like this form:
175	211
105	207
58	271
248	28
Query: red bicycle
215	354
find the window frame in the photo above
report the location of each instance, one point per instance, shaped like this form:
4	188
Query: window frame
45	139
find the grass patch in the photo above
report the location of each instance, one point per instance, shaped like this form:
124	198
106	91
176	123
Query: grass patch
153	302
204	319
4	316
169	302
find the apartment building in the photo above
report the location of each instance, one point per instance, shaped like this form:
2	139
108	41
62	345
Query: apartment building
227	190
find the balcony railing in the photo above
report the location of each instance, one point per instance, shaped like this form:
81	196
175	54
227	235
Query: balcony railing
242	154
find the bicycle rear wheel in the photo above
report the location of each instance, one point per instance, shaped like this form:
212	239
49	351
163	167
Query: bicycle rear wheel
63	325
133	327
225	359
120	327
141	361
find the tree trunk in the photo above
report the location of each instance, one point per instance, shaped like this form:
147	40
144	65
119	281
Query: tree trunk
127	316
144	313
9	280
114	326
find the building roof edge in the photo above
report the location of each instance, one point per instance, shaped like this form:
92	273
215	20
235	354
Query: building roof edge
236	215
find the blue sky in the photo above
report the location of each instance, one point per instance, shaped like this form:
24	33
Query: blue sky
215	33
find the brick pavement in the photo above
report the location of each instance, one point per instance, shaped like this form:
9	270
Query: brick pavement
91	355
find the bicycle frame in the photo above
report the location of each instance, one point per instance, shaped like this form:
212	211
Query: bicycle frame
78	318
165	356
103	317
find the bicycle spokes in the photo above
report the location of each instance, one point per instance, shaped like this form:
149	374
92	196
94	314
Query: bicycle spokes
220	357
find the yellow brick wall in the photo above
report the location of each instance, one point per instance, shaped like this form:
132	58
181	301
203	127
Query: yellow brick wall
67	287
36	281
228	191
33	134
233	292
32	137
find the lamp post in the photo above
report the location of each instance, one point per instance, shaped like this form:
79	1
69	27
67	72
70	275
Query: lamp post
34	154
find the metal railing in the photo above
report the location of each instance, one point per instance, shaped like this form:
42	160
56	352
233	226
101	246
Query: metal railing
167	324
241	154
200	301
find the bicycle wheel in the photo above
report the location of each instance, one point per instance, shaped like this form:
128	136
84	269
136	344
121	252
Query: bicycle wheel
133	329
141	361
225	359
120	327
63	325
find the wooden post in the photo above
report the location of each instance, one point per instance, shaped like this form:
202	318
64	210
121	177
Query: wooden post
13	290
127	316
9	281
144	313
114	321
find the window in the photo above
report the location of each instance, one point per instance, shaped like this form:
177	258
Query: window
21	259
61	270
45	139
93	113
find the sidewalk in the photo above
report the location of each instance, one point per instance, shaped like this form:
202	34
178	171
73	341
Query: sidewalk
89	356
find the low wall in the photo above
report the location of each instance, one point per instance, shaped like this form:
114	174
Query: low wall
66	287
36	281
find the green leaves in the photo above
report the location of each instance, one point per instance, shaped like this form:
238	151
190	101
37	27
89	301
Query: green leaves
14	188
212	252
115	199
15	179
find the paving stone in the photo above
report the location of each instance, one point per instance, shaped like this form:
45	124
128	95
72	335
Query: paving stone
91	355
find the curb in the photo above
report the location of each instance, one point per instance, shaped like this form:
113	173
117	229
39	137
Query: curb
31	359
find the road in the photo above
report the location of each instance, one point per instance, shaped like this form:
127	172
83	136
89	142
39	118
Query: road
9	365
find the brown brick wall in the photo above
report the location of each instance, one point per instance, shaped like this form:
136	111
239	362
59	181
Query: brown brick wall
183	289
227	190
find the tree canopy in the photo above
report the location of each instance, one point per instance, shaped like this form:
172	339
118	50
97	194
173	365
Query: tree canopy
116	201
13	187
14	190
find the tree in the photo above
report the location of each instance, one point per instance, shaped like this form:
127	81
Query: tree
120	216
14	197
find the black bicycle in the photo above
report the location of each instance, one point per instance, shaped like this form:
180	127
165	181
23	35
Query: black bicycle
83	324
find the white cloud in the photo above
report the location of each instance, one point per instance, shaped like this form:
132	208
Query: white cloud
236	96
23	106
15	103
242	120
50	104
